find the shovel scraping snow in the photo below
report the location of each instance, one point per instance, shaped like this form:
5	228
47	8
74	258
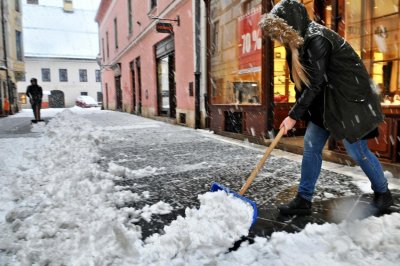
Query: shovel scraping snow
216	186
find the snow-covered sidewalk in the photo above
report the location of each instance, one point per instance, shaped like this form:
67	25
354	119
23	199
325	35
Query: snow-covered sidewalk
73	196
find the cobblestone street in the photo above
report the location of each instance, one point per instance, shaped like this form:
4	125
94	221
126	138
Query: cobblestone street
179	163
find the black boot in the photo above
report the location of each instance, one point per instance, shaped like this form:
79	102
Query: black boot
383	201
298	206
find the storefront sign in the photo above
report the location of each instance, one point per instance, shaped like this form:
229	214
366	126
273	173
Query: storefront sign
249	41
164	27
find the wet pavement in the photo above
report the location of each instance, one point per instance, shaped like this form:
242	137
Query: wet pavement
188	161
175	164
18	127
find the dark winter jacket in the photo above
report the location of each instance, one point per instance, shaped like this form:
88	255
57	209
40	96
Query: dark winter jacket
35	94
340	95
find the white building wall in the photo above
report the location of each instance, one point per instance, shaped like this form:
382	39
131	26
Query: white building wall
72	88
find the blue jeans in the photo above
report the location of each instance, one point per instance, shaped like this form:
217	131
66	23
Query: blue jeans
314	142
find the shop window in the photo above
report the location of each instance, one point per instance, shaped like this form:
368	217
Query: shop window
246	92
22	98
283	87
235	52
372	28
32	2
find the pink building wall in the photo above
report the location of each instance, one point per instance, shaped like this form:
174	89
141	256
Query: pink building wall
141	43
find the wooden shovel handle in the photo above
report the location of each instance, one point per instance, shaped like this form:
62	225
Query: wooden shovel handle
261	162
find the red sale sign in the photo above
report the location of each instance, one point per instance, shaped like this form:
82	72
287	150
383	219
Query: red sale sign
249	42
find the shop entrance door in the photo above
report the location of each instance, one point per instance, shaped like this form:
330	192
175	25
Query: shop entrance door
166	86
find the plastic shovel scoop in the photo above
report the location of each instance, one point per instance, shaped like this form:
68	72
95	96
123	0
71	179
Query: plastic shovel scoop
216	186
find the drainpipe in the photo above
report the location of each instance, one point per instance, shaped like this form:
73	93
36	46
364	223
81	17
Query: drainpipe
197	72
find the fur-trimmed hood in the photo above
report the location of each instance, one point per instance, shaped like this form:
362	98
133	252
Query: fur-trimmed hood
287	23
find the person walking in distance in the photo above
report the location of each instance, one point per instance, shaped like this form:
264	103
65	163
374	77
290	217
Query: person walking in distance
35	94
334	95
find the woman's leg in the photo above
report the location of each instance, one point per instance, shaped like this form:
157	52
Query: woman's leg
314	142
368	162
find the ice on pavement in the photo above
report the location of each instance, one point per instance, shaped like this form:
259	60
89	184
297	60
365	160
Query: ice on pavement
58	207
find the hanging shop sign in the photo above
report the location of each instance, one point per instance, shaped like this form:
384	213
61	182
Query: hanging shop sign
249	41
163	27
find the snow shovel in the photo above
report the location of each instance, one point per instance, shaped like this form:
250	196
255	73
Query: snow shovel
216	186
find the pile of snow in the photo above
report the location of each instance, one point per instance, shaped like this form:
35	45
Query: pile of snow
374	241
203	234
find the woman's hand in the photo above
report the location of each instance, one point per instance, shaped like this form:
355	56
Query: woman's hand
288	123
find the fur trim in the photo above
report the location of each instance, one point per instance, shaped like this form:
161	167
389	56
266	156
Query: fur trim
279	30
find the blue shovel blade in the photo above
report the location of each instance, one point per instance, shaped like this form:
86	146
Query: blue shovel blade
216	186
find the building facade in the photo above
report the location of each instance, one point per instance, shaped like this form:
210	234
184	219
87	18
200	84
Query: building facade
249	88
60	51
151	59
12	65
63	80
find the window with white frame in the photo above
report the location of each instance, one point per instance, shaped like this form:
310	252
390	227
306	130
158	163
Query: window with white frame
63	73
46	75
83	75
98	75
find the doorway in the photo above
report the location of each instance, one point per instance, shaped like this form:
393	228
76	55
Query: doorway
118	93
56	99
139	80
106	96
132	68
166	86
